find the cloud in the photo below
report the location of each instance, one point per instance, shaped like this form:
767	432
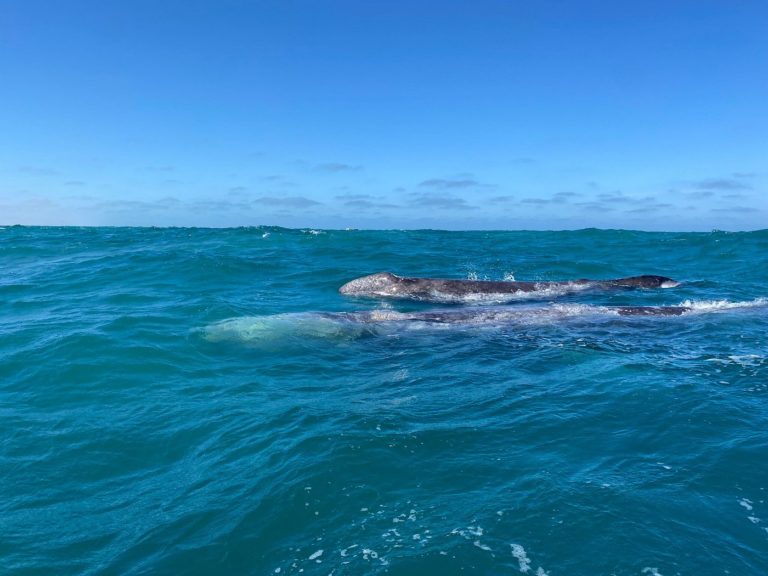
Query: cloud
287	201
203	206
700	194
596	206
170	203
611	201
721	184
74	183
365	201
563	197
360	204
431	200
129	206
357	197
335	167
443	183
650	208
368	205
735	209
278	181
711	187
237	190
614	197
619	197
558	198
38	171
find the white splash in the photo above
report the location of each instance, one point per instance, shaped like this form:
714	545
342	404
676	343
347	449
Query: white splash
716	305
346	550
542	292
522	558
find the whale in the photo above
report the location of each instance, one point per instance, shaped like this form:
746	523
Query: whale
501	314
298	326
388	285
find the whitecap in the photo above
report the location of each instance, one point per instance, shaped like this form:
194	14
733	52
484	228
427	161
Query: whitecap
717	305
746	503
522	558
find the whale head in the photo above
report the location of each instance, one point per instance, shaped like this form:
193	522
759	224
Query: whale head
383	283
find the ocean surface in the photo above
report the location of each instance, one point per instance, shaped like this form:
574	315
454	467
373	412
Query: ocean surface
180	401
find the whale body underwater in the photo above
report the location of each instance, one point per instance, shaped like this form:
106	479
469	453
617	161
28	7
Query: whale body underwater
333	325
388	285
502	314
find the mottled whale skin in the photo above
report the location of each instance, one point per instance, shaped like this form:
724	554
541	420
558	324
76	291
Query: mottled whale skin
388	285
498	315
333	325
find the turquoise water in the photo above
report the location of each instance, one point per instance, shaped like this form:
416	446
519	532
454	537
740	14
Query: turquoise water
171	403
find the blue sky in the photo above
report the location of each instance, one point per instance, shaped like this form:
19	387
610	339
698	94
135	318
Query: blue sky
459	115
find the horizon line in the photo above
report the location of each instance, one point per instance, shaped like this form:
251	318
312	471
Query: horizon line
353	229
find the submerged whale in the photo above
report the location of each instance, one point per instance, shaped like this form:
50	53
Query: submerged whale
335	325
502	315
388	285
296	327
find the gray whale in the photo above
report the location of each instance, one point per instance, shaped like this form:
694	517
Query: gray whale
501	315
297	326
388	285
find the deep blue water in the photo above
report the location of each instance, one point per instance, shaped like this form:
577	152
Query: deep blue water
170	403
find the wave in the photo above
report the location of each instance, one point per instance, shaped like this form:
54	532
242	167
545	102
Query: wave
717	305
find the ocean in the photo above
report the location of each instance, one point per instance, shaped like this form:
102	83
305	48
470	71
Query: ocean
190	401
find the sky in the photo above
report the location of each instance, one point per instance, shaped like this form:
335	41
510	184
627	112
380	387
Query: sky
505	114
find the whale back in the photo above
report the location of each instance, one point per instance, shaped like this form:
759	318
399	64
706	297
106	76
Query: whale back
388	285
644	281
382	283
